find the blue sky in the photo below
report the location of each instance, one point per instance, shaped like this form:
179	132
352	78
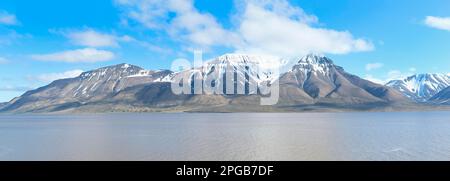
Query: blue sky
379	40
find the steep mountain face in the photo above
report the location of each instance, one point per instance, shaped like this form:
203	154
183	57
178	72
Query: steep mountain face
317	79
421	87
313	81
258	67
90	86
244	70
443	97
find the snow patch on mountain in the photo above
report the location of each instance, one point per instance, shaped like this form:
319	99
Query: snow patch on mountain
317	64
259	68
421	87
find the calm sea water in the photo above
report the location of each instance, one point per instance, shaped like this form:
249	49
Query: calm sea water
240	136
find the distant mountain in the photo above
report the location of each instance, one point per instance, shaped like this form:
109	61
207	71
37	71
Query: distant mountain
314	82
443	97
421	87
89	87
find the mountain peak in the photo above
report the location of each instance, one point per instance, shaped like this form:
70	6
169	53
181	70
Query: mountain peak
421	87
315	59
256	62
423	77
244	58
123	66
427	75
314	63
121	70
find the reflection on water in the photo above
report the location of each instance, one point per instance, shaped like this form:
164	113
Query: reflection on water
215	136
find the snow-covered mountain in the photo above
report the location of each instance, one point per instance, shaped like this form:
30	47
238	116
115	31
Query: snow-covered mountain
260	68
112	79
443	97
317	79
246	70
90	86
421	87
313	63
313	81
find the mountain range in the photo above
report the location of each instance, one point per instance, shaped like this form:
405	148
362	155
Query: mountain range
313	83
421	87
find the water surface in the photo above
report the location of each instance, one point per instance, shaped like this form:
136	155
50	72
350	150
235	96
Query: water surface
232	136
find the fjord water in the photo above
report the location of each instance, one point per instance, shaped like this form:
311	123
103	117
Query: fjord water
227	136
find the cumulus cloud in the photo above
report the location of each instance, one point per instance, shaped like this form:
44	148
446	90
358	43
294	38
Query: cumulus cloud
8	19
272	27
86	55
276	27
49	77
92	38
373	66
442	23
96	39
187	25
89	37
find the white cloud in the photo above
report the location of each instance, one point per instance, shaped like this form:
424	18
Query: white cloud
442	23
87	55
272	27
55	76
91	38
188	25
373	66
275	27
8	19
201	30
3	60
